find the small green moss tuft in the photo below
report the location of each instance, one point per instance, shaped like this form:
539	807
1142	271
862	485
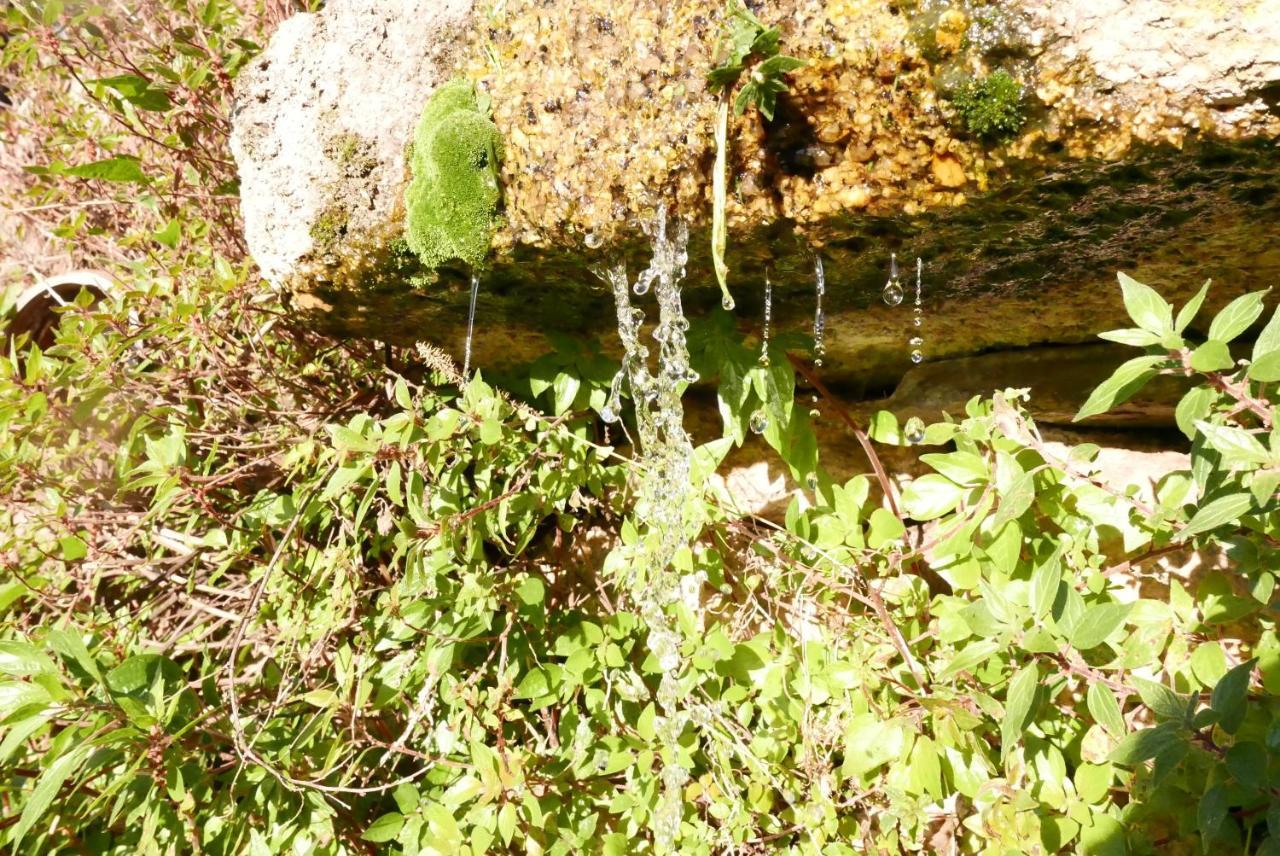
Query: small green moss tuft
452	201
329	227
991	107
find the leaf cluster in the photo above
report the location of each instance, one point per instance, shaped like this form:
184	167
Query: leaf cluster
749	45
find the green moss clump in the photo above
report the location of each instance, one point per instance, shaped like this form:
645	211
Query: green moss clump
991	107
329	227
452	201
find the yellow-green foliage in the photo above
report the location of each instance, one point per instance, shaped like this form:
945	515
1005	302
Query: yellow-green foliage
452	200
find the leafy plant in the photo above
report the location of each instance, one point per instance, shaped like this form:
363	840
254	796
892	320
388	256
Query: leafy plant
748	47
990	107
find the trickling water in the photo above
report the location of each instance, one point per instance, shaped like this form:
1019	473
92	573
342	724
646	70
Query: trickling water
917	312
667	500
471	326
819	318
892	293
768	316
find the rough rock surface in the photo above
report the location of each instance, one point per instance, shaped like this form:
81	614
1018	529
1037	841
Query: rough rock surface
322	117
604	114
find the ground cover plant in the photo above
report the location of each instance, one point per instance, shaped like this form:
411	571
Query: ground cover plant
264	592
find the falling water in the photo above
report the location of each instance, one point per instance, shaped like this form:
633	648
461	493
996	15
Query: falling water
667	500
917	316
892	293
471	326
819	318
768	316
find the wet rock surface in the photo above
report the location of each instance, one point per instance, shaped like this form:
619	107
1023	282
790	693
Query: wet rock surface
1148	146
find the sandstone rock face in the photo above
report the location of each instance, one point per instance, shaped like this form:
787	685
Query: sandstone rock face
1149	146
322	117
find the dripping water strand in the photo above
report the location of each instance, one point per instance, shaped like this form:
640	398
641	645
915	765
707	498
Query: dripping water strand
768	316
819	318
471	326
914	429
892	294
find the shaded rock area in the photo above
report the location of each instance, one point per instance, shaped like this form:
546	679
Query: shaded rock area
1148	146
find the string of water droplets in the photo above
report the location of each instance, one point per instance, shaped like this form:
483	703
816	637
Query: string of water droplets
471	326
914	429
819	317
667	501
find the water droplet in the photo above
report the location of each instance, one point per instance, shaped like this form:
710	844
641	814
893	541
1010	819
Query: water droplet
917	321
768	316
764	358
608	414
471	325
814	413
812	481
915	341
917	356
819	318
914	430
727	302
817	361
592	240
759	422
892	293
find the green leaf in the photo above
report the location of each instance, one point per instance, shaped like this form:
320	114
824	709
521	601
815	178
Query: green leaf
1195	405
1016	500
1120	387
46	789
1189	311
1268	341
1131	336
19	658
1099	621
1104	709
1145	306
1018	706
1235	444
72	548
531	591
169	235
385	828
884	528
1266	368
15	695
1219	512
1045	581
1236	316
1212	356
963	468
1146	744
1229	696
119	168
1247	764
1210	814
931	496
1164	702
970	657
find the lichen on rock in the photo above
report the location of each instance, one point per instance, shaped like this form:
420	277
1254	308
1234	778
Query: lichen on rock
452	201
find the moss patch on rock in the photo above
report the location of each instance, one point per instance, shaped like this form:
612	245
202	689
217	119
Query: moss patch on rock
452	201
990	107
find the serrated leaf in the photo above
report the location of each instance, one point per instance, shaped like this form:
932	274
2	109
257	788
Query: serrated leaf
1120	387
1104	709
1237	316
1219	512
1145	306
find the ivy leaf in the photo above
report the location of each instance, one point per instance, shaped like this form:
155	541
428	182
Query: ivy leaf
1237	316
1104	709
1120	387
1219	512
1145	306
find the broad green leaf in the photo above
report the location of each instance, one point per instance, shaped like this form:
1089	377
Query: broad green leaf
1268	341
1104	709
1164	702
1145	306
1102	836
18	694
385	828
1016	500
1045	581
1235	444
970	656
1120	387
1191	308
1195	405
1018	706
1212	356
1146	744
1266	368
1210	814
1099	621
1236	316
1219	512
931	496
120	168
963	468
1131	336
1247	763
47	788
1229	696
19	658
